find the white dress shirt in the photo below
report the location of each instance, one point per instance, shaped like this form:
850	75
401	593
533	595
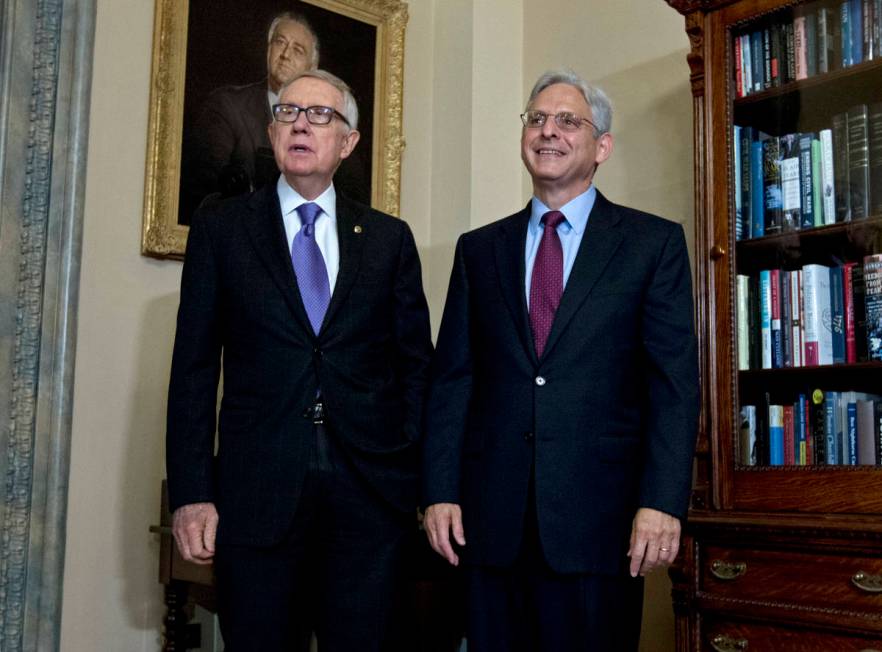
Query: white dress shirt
325	223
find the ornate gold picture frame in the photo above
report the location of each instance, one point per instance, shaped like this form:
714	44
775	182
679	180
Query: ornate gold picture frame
178	45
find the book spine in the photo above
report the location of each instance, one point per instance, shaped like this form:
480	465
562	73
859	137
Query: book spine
873	305
790	167
747	440
866	454
830	428
845	32
776	435
848	312
874	132
817	183
742	289
869	44
811	44
775	325
739	67
851	426
837	319
840	167
746	134
790	50
806	181
737	195
789	436
766	37
816	309
786	319
794	278
806	451
799	48
772	185
858	292
775	74
824	34
757	191
856	31
766	318
858	162
819	427
827	178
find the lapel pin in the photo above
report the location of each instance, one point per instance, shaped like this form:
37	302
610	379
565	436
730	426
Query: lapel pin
357	228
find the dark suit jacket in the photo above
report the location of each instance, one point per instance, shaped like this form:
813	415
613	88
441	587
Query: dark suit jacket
239	297
610	409
227	151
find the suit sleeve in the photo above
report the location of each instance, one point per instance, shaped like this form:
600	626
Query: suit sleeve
192	395
413	335
450	392
672	381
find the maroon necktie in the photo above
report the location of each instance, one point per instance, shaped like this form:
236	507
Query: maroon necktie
546	285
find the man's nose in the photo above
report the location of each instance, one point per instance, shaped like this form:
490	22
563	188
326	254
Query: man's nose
550	128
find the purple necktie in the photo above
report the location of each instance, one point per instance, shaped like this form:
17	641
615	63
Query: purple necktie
546	285
309	267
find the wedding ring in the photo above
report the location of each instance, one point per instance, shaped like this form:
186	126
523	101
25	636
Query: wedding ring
664	549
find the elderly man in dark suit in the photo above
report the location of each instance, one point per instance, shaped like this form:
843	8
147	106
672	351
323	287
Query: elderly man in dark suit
314	304
227	152
564	398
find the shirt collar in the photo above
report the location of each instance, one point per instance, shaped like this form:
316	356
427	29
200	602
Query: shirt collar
290	199
576	211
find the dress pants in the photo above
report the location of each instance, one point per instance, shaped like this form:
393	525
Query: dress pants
334	574
530	608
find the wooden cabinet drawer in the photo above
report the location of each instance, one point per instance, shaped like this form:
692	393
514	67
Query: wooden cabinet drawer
721	635
820	581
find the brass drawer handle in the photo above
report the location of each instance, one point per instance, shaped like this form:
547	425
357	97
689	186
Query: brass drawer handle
717	252
866	582
723	643
728	570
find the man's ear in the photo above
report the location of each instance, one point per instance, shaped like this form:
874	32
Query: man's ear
604	148
350	140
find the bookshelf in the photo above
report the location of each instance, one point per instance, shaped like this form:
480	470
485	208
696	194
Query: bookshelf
783	546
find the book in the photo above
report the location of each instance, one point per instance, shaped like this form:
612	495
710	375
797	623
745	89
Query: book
831	409
756	60
856	31
817	183
818	411
867	449
742	293
772	185
737	195
837	316
746	65
828	37
794	278
845	33
873	305
850	426
776	435
746	135
757	196
747	438
753	323
765	304
811	43
817	334
789	442
800	47
840	167
828	198
739	68
790	166
848	312
786	319
874	132
858	297
858	162
806	181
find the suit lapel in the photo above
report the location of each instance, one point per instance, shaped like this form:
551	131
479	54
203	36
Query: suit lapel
267	232
510	271
600	241
351	238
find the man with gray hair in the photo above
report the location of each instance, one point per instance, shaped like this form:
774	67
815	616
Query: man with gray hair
312	306
563	399
227	152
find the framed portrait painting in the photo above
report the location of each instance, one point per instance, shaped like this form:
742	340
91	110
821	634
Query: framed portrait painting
211	56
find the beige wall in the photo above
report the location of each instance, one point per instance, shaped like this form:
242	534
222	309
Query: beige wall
468	65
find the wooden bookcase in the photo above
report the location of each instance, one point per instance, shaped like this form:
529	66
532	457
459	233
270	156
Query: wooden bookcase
774	557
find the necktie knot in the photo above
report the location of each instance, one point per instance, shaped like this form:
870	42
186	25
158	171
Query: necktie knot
308	214
552	219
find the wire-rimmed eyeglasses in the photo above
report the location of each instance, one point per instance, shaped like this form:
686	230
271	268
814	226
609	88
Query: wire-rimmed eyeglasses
565	120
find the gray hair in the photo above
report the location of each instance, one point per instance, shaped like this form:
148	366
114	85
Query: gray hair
350	108
299	18
601	108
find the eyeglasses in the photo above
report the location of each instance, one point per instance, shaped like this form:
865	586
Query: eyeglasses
315	115
565	120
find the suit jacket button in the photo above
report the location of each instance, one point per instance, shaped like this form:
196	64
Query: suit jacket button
317	352
540	381
528	436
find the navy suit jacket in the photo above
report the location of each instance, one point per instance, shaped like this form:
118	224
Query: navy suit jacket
240	303
606	420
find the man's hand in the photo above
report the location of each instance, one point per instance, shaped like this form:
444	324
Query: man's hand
194	527
440	520
655	540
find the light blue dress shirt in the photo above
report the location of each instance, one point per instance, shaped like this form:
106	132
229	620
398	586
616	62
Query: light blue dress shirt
570	231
